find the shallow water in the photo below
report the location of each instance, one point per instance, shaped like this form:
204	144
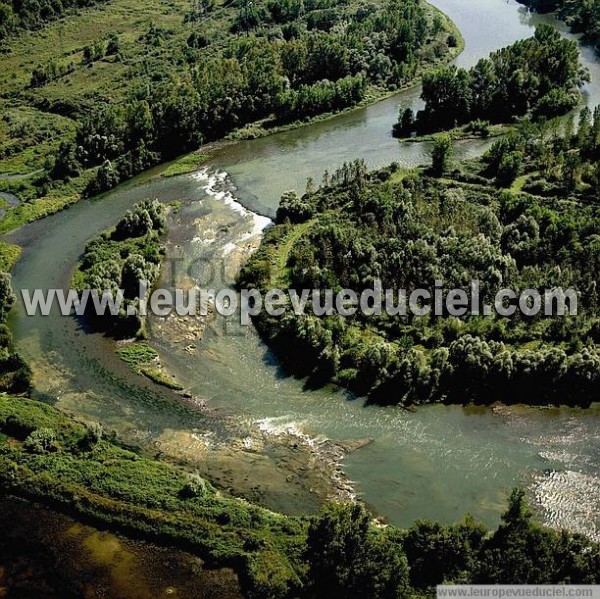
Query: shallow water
46	555
437	462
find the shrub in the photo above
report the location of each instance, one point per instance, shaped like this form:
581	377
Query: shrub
42	440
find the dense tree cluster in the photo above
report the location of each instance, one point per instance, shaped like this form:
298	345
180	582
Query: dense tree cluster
33	14
15	375
350	558
410	235
555	159
291	66
123	258
539	76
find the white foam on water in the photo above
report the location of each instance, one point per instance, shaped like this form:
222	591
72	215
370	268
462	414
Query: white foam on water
213	185
284	426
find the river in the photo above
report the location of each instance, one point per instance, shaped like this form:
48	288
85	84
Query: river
437	462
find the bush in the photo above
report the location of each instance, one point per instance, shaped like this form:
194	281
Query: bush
42	440
440	155
555	103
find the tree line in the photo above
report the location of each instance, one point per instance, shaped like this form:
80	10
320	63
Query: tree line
349	558
408	235
34	14
540	76
307	69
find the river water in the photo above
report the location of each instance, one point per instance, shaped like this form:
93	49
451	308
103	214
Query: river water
437	462
47	555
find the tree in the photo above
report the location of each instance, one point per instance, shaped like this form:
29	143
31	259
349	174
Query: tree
439	554
541	74
113	46
520	551
571	170
41	440
448	97
106	178
509	168
7	297
406	123
135	271
584	128
93	52
66	164
440	155
348	558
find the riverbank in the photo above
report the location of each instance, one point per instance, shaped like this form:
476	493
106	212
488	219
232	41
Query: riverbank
80	471
75	187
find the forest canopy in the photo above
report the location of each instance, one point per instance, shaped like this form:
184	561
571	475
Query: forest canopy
539	76
360	227
122	259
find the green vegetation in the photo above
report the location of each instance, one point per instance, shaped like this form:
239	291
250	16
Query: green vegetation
143	359
15	374
34	14
137	354
9	254
76	469
538	77
160	377
91	100
341	553
185	164
360	227
121	259
550	159
440	155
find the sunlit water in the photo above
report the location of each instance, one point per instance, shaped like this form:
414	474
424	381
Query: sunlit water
438	462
